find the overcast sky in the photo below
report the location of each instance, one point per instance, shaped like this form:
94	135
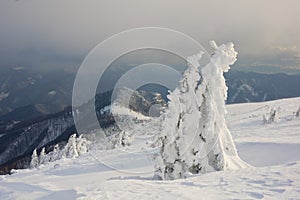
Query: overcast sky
55	33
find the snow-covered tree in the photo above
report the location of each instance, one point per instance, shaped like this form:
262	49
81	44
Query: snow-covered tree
70	150
43	158
179	129
121	139
56	154
81	145
194	137
219	148
168	159
34	159
75	147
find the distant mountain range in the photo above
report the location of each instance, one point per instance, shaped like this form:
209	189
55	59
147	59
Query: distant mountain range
33	91
27	94
254	87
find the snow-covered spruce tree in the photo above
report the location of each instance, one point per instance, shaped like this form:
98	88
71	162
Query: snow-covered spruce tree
81	145
43	158
70	150
34	159
56	154
75	147
177	154
212	92
194	137
121	139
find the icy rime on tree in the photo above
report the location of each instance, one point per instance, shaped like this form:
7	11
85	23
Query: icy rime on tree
194	137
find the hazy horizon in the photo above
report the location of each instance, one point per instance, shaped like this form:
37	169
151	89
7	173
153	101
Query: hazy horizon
55	34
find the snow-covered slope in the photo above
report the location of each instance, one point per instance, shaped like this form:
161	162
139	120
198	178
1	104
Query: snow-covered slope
126	173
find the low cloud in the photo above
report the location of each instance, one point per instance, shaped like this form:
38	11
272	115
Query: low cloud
59	33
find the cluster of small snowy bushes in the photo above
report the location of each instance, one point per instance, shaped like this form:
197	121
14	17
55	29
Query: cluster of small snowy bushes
273	116
109	138
75	147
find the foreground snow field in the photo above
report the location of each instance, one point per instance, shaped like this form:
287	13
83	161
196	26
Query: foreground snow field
273	150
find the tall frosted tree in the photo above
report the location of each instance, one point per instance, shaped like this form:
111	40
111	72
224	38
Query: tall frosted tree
180	126
212	92
70	150
43	156
194	137
34	159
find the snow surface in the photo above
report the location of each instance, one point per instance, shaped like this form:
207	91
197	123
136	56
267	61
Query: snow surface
272	149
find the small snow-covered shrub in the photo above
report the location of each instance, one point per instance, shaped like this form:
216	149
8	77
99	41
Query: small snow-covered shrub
121	139
297	112
271	117
109	138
